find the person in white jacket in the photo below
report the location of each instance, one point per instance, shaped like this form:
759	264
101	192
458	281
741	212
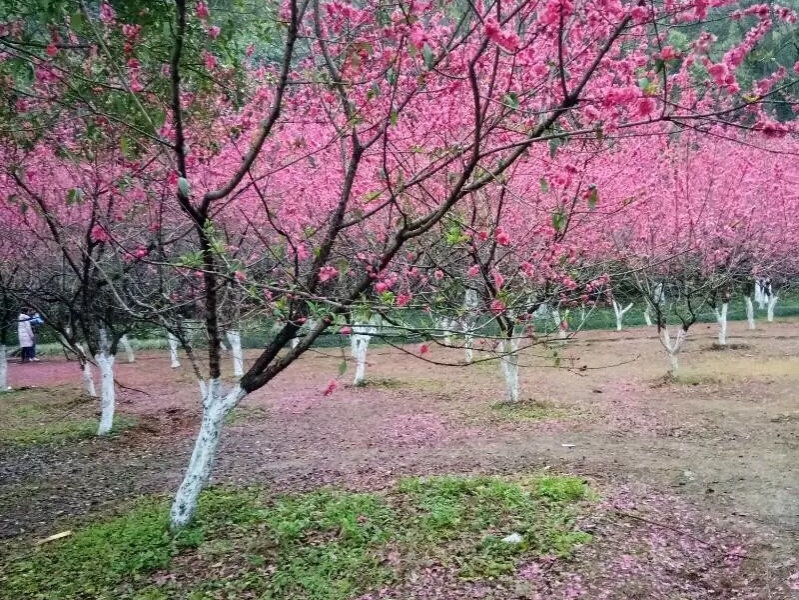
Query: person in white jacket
25	334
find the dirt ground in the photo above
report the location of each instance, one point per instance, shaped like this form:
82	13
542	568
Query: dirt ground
722	439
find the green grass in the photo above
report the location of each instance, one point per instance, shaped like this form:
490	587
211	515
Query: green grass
525	410
323	545
246	414
44	416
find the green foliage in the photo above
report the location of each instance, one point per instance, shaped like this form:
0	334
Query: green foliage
324	545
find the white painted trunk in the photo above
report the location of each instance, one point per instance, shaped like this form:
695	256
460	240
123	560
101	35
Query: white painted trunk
173	350
772	302
295	342
648	316
361	336
750	312
445	328
88	379
468	322
361	348
222	346
509	363
107	393
721	319
620	312
125	342
234	339
673	347
215	407
760	296
559	324
468	344
4	368
675	363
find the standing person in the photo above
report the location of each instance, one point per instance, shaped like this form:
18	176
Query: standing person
25	334
35	321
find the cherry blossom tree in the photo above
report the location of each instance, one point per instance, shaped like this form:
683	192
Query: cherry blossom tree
374	125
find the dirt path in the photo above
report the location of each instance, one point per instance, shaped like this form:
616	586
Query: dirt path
724	437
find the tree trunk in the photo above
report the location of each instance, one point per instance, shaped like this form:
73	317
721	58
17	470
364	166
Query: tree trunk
234	338
173	350
750	312
559	325
648	315
772	302
4	369
215	407
721	318
361	346
620	312
88	379
760	296
445	328
509	363
467	326
468	322
673	347
362	333
125	342
105	362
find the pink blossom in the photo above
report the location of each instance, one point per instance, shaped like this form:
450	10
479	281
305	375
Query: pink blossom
497	306
330	388
209	60
51	50
346	330
214	31
381	286
669	53
131	32
403	299
473	271
302	252
424	349
240	276
107	14
502	237
645	107
439	275
639	14
499	279
202	10
327	272
418	36
99	234
719	73
249	49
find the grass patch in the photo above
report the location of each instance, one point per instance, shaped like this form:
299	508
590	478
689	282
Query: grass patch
324	545
694	379
524	411
389	383
716	347
241	415
42	416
